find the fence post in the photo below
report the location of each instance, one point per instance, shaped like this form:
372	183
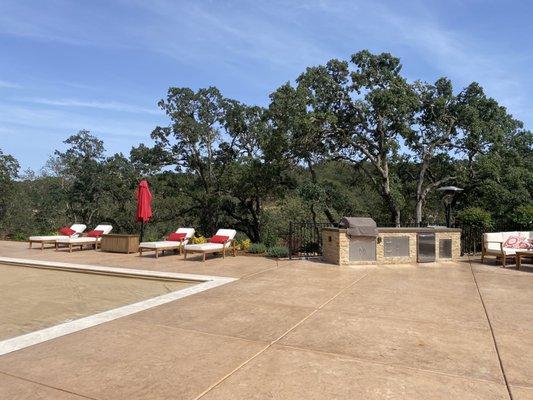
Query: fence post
290	240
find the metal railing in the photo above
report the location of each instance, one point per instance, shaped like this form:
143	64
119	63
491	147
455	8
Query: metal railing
304	239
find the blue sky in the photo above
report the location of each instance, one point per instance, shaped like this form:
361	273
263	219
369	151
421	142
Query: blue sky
103	65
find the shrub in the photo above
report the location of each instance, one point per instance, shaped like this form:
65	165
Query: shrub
474	216
245	244
278	252
20	236
151	236
523	216
311	247
198	240
257	248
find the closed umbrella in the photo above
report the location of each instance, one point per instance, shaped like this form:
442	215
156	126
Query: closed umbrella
144	204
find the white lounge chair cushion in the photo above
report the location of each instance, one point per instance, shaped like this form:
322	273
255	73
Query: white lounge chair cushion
85	239
79	228
205	247
47	238
189	233
79	240
104	228
160	244
230	233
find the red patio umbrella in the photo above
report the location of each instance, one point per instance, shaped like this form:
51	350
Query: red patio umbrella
144	204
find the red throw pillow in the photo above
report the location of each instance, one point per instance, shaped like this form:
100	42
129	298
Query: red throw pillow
95	234
66	231
219	239
513	241
176	237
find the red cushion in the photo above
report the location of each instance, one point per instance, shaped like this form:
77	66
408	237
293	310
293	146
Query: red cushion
176	237
514	241
95	234
219	239
67	231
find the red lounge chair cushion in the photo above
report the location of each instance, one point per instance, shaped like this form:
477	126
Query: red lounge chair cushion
176	237
67	231
95	234
219	239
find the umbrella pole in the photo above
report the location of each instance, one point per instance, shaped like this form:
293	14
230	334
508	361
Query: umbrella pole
142	230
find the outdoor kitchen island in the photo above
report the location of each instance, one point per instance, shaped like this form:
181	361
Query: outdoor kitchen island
359	241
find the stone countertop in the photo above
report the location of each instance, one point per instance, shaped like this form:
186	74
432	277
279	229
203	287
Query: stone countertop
401	230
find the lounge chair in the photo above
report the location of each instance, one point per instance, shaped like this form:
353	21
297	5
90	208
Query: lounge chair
168	244
91	238
51	239
222	241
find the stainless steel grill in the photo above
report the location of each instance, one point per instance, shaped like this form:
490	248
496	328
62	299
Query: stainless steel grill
362	232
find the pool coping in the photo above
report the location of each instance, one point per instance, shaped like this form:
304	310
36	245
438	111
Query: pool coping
205	282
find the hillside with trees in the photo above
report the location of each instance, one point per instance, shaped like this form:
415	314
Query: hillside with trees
351	137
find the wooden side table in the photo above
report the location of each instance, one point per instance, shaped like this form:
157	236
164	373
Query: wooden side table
118	243
522	254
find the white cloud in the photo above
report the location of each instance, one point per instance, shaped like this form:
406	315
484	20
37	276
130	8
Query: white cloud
112	105
52	121
263	44
9	85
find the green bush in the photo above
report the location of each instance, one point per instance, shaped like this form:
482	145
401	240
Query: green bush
19	236
278	252
523	216
257	248
474	216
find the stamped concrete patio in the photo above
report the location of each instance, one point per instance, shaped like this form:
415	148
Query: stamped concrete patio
295	330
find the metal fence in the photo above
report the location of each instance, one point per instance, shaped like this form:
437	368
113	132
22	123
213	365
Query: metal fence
471	239
304	239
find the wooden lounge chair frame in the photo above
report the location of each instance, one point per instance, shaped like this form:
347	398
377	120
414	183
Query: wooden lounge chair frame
162	249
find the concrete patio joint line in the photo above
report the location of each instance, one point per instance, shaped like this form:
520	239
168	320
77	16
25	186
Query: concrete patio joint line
48	386
495	343
225	377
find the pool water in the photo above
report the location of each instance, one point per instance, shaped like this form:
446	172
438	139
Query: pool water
36	298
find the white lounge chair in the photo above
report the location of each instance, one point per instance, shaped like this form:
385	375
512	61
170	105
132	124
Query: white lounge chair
51	239
205	248
166	245
84	240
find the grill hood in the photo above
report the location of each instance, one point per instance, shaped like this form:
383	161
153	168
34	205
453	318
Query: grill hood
359	226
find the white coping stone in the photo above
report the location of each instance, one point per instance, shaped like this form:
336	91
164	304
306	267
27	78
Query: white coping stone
206	282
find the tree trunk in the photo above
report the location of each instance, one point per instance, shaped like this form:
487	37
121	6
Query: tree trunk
327	211
387	194
420	192
418	211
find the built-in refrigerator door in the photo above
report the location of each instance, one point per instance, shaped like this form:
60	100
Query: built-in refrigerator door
426	247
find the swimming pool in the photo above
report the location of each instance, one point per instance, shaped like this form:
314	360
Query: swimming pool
42	300
35	298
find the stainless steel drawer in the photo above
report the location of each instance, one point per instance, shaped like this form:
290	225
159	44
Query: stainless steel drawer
396	246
